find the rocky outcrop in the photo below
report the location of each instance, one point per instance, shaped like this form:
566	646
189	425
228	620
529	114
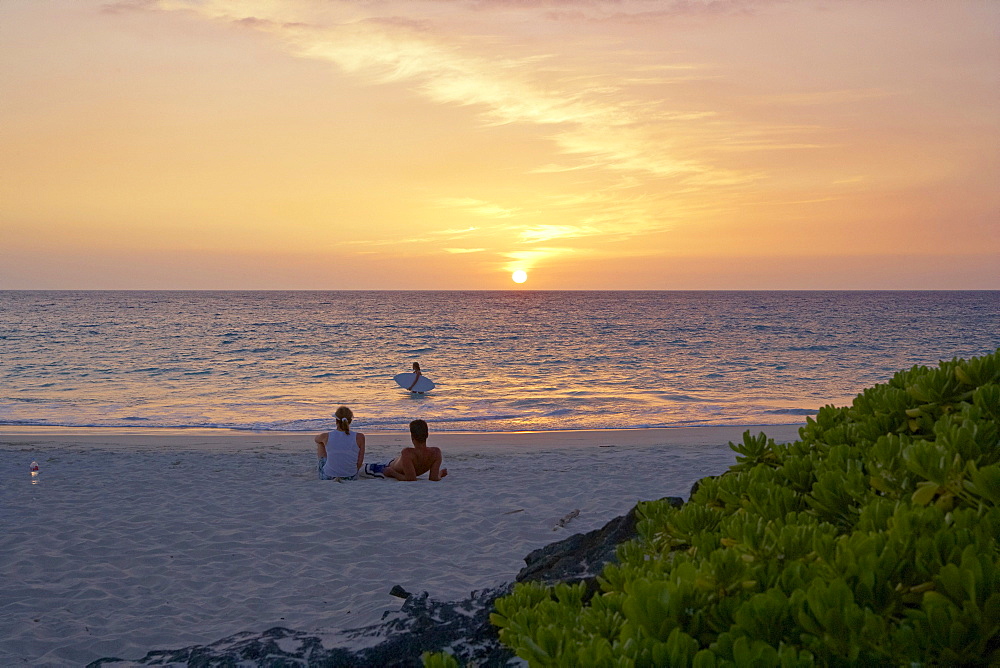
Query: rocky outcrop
582	557
461	628
422	625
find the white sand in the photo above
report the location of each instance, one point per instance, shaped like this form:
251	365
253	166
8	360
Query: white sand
139	540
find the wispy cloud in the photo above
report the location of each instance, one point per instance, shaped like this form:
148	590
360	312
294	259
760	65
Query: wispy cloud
454	232
542	233
593	122
435	237
477	207
528	259
631	9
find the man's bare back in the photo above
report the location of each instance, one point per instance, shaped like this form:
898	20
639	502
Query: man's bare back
419	459
416	461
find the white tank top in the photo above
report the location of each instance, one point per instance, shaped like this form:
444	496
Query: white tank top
341	454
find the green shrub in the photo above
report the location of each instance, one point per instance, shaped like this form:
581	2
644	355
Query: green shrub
873	540
439	660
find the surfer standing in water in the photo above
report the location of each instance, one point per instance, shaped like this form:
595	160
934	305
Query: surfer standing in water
416	376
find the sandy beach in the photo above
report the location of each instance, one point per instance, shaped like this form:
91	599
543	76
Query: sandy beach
135	540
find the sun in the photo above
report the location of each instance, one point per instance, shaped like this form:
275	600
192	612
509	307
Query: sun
519	276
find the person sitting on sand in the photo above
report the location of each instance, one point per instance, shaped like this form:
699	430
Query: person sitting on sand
415	461
341	452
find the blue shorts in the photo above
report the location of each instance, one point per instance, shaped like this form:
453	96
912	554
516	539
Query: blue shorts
377	469
323	476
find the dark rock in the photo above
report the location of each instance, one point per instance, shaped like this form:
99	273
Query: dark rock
421	625
399	592
426	625
582	556
697	484
274	647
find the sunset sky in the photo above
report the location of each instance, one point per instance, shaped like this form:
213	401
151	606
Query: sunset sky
444	144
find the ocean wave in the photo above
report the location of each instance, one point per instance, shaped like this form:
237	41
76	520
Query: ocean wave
560	420
312	426
679	397
38	400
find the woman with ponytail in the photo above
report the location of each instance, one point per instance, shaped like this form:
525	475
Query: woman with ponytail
341	452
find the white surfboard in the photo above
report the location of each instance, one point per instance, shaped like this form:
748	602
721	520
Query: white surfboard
406	379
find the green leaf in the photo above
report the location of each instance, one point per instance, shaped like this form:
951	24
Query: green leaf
925	492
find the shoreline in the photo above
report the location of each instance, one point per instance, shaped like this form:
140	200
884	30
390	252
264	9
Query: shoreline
199	439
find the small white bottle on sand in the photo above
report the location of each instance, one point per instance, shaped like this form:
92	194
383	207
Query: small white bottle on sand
34	471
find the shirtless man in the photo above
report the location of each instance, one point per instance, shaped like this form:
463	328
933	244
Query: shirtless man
417	460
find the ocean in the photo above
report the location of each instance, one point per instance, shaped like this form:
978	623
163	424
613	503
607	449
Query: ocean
502	361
